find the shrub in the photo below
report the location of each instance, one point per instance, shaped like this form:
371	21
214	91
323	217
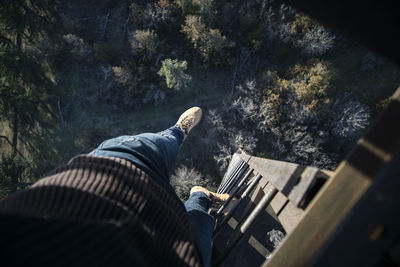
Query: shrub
122	75
350	118
311	83
301	24
188	6
78	47
317	41
280	116
223	157
174	73
144	43
212	45
6	168
195	30
13	166
136	14
312	37
184	178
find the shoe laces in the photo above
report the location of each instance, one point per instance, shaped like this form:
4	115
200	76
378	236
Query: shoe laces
185	124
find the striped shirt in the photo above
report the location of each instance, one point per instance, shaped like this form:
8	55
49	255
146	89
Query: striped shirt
95	211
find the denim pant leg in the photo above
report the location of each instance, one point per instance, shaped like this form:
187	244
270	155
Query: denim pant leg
201	224
154	153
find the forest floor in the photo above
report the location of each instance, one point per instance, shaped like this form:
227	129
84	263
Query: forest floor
87	128
105	57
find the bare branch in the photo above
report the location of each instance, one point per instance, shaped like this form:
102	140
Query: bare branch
60	113
11	144
6	138
126	23
105	25
234	75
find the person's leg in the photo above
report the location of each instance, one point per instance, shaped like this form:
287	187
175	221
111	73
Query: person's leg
201	224
167	141
154	153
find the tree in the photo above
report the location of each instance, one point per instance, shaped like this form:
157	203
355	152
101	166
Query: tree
188	6
17	102
151	16
317	41
212	45
144	43
23	105
174	73
195	30
350	118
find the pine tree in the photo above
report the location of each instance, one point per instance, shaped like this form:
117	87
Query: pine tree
23	87
212	45
174	73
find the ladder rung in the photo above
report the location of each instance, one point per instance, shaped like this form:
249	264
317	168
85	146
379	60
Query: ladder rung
233	177
237	188
230	213
264	202
236	179
234	168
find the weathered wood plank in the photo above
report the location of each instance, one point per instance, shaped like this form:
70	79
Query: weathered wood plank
290	217
282	175
278	202
307	179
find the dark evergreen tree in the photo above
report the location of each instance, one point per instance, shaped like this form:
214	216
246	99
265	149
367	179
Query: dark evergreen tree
24	89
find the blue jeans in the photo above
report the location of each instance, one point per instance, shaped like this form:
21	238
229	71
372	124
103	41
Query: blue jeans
155	154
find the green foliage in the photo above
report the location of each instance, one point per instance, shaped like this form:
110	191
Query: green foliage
104	61
317	77
16	17
11	166
302	24
310	84
145	43
17	89
174	73
195	30
9	82
212	45
208	12
122	75
136	13
6	169
25	106
188	6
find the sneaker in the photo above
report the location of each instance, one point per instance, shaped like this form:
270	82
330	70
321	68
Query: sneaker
213	196
189	119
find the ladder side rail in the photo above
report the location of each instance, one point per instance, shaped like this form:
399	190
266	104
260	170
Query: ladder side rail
235	164
235	191
232	179
237	179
